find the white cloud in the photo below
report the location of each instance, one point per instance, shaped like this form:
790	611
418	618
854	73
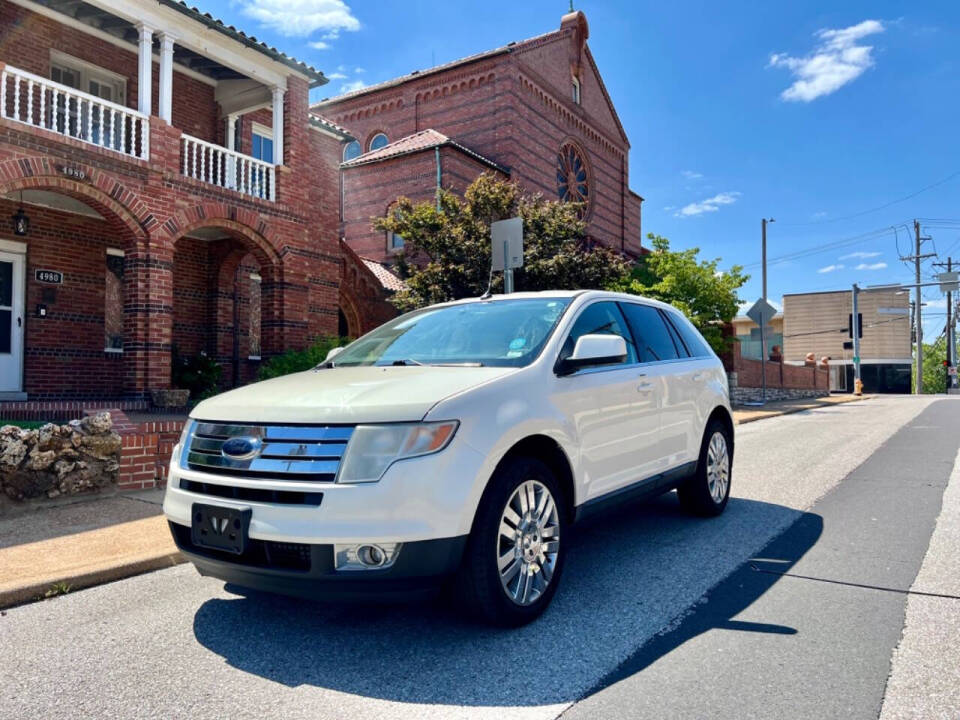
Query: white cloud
860	255
320	45
336	76
819	214
709	205
872	266
691	175
836	61
299	18
831	268
359	70
351	86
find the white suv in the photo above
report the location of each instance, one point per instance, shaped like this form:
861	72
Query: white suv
458	441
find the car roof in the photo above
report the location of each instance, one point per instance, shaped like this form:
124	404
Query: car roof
585	294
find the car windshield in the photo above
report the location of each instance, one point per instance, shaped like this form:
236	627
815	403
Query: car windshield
499	333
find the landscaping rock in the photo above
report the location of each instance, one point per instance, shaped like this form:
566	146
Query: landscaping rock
80	456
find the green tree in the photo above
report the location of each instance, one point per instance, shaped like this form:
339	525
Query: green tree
446	252
934	373
707	295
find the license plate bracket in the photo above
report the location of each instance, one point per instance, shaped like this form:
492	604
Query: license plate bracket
220	528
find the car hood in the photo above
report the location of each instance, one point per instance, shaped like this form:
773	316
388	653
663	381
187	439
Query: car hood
345	395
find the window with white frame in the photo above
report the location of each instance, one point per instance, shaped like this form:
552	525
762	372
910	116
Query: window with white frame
351	150
378	141
575	89
93	80
262	143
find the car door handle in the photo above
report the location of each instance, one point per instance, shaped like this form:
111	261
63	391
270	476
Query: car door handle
644	387
697	377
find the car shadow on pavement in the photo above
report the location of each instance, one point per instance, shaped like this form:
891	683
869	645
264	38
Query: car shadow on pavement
630	578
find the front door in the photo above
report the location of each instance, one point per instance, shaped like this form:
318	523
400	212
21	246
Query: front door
11	322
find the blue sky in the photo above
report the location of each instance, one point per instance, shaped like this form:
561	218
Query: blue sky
812	113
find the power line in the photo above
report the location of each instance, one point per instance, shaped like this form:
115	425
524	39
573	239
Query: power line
876	209
825	247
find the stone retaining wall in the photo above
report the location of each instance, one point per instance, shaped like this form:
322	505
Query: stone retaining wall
743	395
82	456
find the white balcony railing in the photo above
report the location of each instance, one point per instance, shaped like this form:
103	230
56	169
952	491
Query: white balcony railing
228	169
42	103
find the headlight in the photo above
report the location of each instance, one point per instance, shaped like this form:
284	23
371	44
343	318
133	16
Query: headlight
184	443
374	448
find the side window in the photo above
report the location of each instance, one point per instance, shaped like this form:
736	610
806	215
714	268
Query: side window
601	318
694	341
650	330
682	349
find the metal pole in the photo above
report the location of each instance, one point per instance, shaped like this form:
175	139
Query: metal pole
917	315
855	327
950	358
507	272
763	320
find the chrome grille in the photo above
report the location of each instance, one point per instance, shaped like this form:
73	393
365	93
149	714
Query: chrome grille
288	452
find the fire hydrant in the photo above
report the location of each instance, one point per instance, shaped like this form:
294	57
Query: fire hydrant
858	387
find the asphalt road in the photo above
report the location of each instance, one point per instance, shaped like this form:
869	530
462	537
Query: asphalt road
660	615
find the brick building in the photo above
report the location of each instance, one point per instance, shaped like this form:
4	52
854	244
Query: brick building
166	166
535	111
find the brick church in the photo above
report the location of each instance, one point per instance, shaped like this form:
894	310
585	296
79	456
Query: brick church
534	111
166	190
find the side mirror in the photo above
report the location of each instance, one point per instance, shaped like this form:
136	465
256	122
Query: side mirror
592	350
333	353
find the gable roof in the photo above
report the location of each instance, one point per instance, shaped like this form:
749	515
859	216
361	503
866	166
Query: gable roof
319	122
417	74
387	279
316	76
418	142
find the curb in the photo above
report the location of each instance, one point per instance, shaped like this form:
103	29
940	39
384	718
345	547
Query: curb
35	591
790	411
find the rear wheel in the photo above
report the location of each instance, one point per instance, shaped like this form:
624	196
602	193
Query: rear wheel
707	491
514	556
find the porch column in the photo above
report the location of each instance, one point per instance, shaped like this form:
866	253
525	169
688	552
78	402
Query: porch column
278	125
232	146
145	74
166	76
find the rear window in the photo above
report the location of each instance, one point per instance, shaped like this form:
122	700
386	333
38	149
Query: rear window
692	338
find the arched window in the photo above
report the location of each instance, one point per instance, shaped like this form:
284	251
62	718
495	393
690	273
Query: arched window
572	182
351	150
378	141
394	242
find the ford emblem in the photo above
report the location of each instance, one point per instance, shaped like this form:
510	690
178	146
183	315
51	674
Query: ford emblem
245	447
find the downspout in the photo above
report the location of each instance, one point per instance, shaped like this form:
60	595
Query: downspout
236	326
436	154
623	200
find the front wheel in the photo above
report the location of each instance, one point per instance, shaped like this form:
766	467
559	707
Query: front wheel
514	556
707	491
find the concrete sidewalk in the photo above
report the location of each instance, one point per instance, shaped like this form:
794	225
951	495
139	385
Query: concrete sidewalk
56	550
743	414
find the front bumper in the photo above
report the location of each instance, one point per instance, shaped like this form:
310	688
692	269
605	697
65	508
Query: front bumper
307	570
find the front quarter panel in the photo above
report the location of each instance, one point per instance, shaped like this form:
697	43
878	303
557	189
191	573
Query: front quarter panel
496	416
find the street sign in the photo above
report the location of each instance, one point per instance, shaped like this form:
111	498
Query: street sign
949	281
761	312
507	239
951	371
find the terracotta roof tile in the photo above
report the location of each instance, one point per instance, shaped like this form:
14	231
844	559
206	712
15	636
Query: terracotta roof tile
423	140
387	279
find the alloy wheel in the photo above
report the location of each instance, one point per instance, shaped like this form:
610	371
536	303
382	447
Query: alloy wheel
528	542
718	467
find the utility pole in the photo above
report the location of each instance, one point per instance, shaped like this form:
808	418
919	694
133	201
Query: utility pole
951	348
855	331
917	257
763	329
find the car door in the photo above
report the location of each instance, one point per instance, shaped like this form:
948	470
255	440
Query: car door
690	402
612	406
664	357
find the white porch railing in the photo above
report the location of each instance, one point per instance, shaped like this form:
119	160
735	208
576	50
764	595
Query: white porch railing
42	103
228	169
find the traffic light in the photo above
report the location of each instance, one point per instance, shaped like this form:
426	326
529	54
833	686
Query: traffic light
859	325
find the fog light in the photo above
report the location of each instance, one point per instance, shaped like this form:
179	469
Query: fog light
366	556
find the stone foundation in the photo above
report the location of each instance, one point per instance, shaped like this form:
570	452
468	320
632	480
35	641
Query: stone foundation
82	456
742	395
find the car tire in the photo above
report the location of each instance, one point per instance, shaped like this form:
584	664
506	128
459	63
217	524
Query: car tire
706	492
508	591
